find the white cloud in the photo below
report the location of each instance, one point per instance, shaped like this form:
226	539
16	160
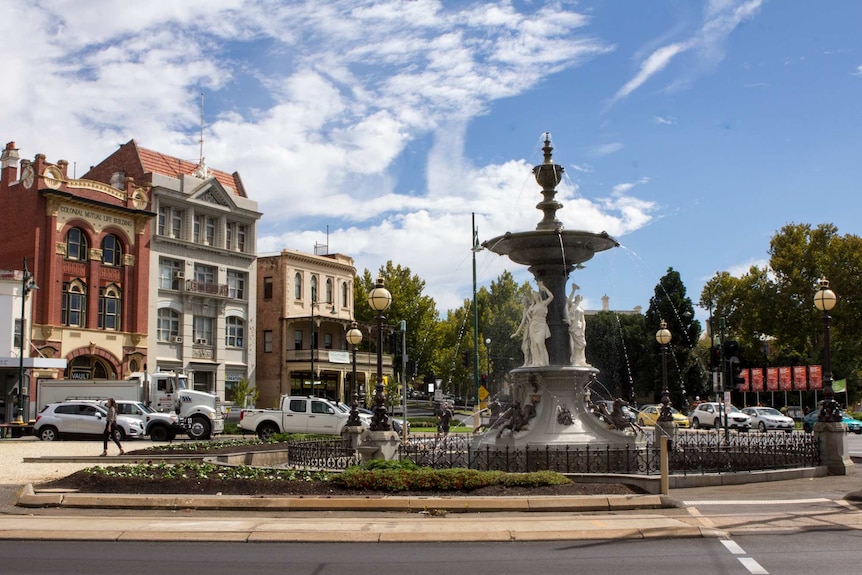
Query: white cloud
740	269
313	104
655	62
721	18
607	149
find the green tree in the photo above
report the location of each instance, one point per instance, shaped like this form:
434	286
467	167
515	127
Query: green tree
616	346
771	310
499	315
454	354
244	394
409	304
686	372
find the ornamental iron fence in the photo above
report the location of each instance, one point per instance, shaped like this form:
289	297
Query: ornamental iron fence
689	453
321	454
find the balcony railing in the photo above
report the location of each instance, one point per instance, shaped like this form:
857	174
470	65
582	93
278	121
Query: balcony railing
206	288
363	358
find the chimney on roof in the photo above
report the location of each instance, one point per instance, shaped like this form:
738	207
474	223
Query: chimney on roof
9	163
10	156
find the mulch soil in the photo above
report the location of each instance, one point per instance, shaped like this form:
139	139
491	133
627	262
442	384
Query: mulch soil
88	483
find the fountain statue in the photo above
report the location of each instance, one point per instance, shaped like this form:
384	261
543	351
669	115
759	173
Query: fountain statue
550	403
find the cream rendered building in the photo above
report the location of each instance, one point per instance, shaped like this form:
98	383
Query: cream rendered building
202	286
305	308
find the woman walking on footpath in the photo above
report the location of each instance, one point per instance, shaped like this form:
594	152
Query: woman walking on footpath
111	427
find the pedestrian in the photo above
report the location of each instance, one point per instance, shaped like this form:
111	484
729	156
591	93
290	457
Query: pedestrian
444	419
111	427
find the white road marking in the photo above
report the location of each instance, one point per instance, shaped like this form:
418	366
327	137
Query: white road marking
759	501
753	566
733	547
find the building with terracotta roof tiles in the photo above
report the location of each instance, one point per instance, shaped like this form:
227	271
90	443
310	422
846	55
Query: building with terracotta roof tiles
84	245
202	270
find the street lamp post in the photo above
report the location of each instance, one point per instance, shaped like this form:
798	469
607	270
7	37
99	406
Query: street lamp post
663	337
379	299
314	304
488	355
354	337
28	284
824	300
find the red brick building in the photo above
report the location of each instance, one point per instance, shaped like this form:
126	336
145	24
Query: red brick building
86	244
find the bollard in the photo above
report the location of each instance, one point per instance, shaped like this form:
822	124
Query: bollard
663	456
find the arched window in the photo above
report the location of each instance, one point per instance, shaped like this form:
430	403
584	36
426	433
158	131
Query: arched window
89	367
313	289
74	307
112	251
168	325
297	286
110	307
76	245
329	297
343	294
234	332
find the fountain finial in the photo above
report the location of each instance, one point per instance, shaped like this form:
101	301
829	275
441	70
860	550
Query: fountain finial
548	175
547	149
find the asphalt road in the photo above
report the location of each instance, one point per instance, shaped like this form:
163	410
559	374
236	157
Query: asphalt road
800	552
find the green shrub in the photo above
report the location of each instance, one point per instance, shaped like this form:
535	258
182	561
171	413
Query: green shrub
392	464
399	479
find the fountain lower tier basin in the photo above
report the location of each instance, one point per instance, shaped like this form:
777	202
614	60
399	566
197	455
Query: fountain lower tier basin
561	416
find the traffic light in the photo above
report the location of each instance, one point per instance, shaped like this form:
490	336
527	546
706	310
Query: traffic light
466	359
715	357
734	369
736	379
731	349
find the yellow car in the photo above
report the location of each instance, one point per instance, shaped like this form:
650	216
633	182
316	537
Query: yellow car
649	414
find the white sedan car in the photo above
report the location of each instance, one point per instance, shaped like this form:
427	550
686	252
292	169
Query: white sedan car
768	418
707	415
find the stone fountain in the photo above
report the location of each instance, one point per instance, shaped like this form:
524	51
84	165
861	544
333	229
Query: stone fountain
550	394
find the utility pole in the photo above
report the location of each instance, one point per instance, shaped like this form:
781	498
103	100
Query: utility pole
476	248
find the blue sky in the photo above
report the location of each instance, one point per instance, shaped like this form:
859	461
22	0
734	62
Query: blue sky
690	131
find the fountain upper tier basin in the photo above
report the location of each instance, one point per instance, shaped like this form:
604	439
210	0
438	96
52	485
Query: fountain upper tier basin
542	247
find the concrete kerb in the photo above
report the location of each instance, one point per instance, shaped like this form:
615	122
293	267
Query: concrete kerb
29	497
415	528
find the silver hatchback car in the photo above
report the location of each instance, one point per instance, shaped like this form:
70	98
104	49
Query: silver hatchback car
81	420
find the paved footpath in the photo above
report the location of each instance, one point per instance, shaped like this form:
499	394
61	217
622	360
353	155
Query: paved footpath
720	511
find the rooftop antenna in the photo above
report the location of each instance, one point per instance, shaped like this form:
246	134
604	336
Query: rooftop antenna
201	171
202	128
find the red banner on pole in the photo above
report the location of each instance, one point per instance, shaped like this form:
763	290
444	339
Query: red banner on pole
746	381
771	379
815	377
784	379
800	378
757	379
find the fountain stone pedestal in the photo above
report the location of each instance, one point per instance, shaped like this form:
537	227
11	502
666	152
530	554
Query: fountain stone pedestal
558	395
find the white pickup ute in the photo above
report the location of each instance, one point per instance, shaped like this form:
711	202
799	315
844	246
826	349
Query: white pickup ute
297	415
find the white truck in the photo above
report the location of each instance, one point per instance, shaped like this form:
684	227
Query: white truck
199	414
298	414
